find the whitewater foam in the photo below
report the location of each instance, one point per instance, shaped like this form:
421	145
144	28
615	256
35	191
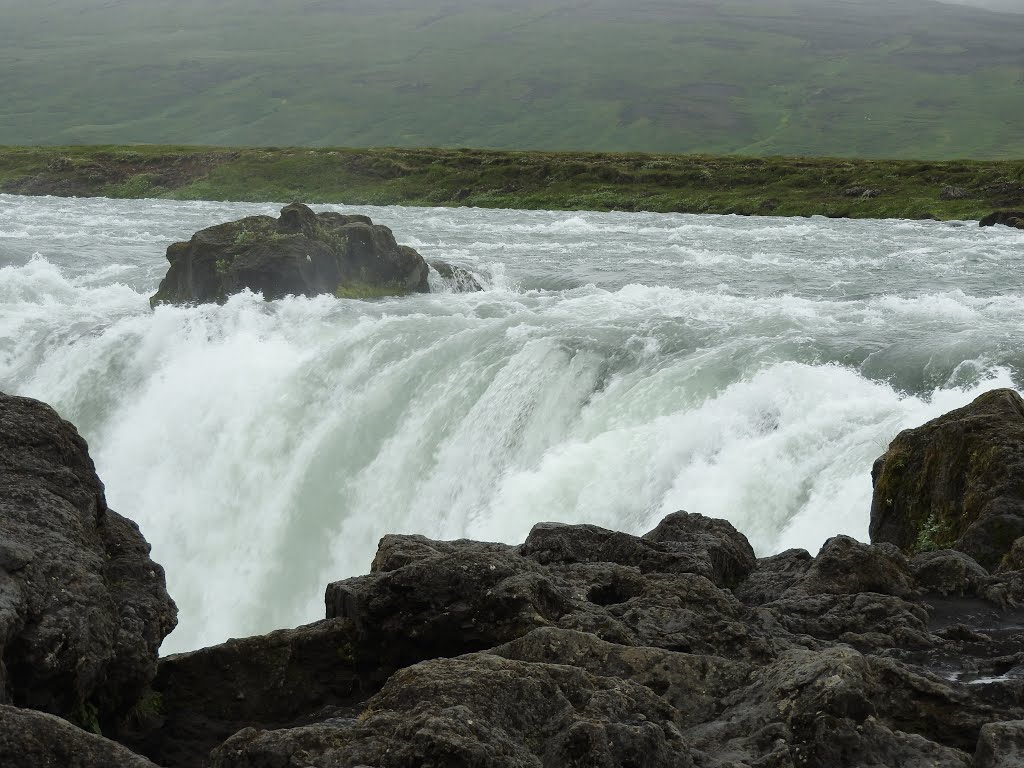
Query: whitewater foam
618	367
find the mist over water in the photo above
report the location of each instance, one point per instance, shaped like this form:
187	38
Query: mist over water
617	368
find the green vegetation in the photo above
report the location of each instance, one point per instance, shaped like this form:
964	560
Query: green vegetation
86	716
146	711
538	180
872	78
360	290
933	534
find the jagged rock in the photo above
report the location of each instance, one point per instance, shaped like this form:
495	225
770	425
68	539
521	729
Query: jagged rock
956	482
425	599
1001	745
1014	559
1007	218
773	576
483	710
83	609
567	699
729	555
288	677
590	647
948	572
300	253
953	193
693	684
845	566
30	739
456	278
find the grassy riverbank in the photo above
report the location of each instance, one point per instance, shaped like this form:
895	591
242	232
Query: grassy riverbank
787	186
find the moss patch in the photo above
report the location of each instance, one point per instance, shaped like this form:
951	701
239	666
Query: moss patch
360	290
778	186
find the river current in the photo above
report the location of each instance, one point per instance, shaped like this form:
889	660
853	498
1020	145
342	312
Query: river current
618	367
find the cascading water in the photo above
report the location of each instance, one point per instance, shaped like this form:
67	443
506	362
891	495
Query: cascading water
618	367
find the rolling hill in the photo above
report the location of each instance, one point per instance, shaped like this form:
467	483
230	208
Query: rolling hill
873	78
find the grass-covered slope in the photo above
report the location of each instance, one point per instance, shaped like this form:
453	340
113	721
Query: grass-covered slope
872	78
591	181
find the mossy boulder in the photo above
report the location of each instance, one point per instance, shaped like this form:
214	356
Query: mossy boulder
1007	218
299	253
956	482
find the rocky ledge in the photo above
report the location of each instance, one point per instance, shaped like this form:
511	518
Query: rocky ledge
300	253
1006	218
579	647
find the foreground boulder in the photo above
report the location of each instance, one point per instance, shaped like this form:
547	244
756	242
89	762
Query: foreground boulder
956	482
281	679
31	739
83	609
300	253
590	647
1007	218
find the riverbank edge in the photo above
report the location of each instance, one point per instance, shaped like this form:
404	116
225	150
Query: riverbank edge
523	180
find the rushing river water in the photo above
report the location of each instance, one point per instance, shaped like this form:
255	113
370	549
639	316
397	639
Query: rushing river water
618	367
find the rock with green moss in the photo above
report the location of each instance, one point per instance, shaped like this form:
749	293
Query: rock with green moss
300	253
956	482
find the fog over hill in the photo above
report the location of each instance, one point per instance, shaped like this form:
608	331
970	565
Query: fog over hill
873	78
1007	6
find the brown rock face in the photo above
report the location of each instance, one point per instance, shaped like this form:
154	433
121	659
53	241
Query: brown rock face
1007	218
83	609
301	253
956	482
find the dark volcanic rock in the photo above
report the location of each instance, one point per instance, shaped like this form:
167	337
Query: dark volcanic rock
425	599
83	609
948	572
581	647
590	647
845	566
30	739
300	253
1007	218
1001	745
285	678
456	278
956	482
483	710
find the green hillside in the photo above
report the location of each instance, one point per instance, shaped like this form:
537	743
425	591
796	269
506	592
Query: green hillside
784	186
873	78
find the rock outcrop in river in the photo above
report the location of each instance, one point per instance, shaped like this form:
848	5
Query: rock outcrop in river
300	253
955	482
1007	218
579	647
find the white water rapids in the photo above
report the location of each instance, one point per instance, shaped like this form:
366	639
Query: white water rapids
618	367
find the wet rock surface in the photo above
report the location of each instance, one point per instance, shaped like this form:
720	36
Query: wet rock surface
300	253
83	609
1006	218
589	647
956	482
